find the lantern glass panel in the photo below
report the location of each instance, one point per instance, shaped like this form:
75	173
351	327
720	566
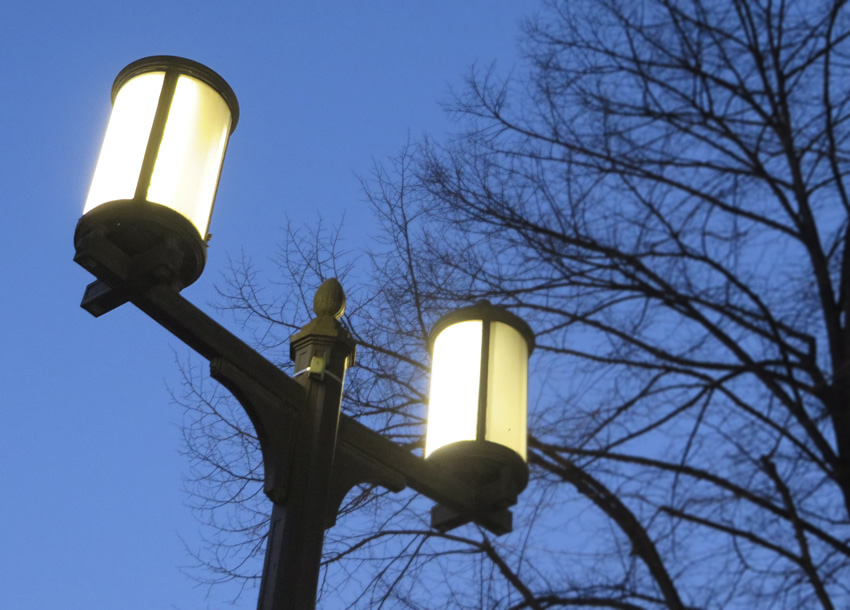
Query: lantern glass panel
507	388
190	155
123	150
455	379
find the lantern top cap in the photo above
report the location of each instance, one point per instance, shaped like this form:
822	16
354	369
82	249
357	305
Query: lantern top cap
483	310
181	65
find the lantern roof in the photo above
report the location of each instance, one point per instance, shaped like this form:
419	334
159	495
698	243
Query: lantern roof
157	63
482	310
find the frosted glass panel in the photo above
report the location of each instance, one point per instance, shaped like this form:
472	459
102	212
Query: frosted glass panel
507	388
455	374
120	161
186	172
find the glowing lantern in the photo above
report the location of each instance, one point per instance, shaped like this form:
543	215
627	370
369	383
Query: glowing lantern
157	174
478	403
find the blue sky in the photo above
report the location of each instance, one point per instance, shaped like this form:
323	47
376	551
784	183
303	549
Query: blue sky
92	515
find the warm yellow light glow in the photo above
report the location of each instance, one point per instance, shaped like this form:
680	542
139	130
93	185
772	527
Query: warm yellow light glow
507	388
120	161
455	375
186	172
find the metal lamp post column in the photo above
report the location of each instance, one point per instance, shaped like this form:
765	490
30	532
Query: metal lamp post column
322	352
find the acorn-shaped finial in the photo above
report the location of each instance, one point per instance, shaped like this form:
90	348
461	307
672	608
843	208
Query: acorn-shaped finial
329	299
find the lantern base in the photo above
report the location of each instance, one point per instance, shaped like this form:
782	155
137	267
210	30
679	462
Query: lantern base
140	227
497	473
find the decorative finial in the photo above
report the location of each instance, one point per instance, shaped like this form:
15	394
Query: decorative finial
329	299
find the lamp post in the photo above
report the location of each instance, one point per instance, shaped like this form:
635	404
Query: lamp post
143	235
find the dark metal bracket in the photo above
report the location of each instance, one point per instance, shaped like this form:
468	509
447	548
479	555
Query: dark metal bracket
273	424
352	467
273	400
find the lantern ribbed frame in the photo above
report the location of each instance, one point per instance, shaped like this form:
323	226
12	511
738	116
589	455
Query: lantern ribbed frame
138	225
481	461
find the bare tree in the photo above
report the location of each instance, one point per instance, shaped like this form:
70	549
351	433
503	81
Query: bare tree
662	196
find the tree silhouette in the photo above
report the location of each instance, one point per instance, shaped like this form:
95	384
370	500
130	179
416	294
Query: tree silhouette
662	196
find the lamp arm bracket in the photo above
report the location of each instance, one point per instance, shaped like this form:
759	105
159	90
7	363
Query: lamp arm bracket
274	424
272	399
353	467
173	312
390	460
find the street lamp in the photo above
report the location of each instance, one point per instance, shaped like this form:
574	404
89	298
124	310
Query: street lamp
157	174
143	235
477	403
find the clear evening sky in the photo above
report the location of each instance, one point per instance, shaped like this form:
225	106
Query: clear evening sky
92	515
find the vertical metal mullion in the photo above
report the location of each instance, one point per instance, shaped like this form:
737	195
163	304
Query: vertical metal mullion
482	382
206	234
166	96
